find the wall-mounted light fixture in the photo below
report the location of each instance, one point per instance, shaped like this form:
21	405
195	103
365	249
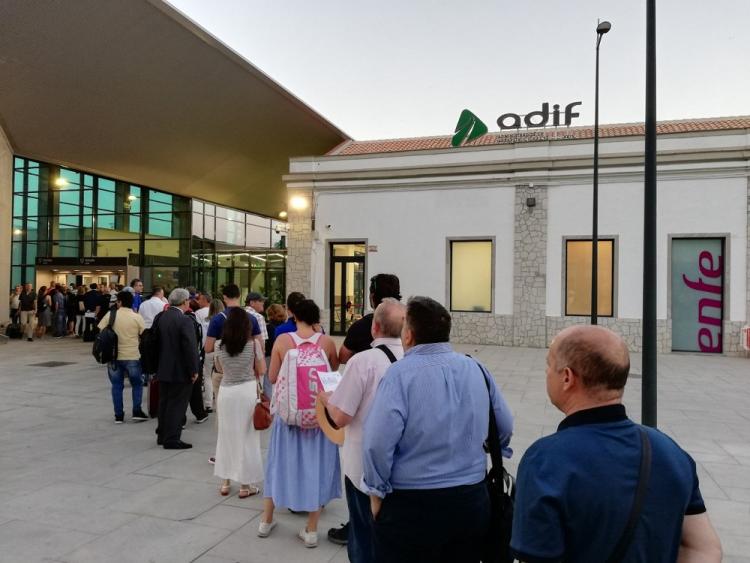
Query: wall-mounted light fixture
17	232
283	214
298	203
60	182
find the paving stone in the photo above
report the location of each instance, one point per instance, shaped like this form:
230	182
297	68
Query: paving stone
32	541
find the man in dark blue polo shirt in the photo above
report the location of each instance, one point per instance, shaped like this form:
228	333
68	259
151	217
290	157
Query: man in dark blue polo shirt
576	488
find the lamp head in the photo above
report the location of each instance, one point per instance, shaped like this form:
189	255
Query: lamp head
603	27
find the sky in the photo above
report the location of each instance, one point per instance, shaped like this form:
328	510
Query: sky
406	68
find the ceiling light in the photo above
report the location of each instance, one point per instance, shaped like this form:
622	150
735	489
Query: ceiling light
298	202
282	214
132	197
17	232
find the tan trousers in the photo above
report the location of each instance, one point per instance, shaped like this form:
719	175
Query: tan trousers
27	323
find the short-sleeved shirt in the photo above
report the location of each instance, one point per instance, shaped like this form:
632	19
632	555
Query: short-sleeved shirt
354	397
27	300
91	300
261	322
359	336
216	326
288	326
575	490
128	326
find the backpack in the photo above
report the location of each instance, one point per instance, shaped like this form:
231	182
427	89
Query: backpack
298	382
148	347
105	343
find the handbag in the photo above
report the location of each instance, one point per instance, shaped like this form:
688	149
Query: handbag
262	416
502	491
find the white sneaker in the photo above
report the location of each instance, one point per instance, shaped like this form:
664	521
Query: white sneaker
264	529
310	538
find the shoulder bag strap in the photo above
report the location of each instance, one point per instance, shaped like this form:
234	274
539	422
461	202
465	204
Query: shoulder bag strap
493	440
387	351
644	475
112	315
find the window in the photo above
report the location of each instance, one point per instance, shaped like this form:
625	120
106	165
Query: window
578	278
471	275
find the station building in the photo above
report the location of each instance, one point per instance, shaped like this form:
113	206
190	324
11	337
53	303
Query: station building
500	230
135	144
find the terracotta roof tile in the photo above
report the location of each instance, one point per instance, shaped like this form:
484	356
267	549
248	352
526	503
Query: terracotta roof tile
535	135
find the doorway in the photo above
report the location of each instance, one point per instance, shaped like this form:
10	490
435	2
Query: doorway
347	285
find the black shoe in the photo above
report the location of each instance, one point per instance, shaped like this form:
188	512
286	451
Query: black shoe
209	410
30	339
202	420
140	416
179	445
159	442
119	418
339	536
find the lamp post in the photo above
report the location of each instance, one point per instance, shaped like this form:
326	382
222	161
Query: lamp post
601	29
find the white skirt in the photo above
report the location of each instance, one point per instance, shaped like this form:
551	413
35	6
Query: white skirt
238	445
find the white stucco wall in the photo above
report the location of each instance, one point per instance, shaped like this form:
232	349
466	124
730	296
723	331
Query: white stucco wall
711	206
410	228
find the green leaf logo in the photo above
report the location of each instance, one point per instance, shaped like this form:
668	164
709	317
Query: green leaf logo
468	128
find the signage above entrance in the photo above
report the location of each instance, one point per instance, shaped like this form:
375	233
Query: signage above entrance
104	261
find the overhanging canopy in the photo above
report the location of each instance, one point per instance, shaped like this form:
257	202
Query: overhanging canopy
134	90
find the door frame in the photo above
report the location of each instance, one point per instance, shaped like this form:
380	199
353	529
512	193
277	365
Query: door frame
332	261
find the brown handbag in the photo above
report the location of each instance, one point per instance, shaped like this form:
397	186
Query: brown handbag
262	416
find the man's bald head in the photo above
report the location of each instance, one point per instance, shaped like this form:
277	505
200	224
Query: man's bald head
388	319
594	353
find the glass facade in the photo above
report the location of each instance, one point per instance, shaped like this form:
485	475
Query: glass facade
172	240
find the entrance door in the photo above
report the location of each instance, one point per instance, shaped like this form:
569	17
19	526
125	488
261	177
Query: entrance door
697	294
347	285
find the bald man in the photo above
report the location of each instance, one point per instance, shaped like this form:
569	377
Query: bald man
348	407
576	489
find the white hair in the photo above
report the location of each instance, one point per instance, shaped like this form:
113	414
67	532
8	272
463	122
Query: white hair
178	296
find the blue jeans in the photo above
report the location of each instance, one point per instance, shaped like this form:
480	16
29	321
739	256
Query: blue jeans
116	371
360	545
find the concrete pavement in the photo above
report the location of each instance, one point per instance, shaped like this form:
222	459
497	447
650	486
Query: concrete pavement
74	487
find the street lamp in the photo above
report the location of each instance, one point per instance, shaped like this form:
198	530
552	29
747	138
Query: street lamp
601	29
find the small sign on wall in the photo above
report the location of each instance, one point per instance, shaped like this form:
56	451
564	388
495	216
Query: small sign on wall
372	248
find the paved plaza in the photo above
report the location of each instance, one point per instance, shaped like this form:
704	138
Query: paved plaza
76	488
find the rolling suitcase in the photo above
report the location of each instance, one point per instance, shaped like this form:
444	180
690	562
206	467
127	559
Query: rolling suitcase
153	398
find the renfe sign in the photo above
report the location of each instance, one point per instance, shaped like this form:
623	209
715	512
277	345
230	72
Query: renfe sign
697	294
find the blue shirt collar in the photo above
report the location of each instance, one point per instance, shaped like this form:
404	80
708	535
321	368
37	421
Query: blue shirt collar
428	349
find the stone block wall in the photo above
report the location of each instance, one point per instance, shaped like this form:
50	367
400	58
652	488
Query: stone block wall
482	328
299	246
530	268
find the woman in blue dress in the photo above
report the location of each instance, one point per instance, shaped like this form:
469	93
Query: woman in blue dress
302	469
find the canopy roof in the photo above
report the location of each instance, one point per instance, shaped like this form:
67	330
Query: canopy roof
136	91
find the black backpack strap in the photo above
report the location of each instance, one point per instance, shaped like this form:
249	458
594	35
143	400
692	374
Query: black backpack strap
644	474
387	351
112	315
493	439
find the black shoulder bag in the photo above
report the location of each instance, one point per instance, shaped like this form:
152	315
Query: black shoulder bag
644	474
502	492
387	351
105	343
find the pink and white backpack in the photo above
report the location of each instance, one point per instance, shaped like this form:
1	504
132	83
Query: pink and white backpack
298	382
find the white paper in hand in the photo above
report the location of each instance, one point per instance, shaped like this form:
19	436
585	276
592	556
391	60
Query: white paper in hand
330	380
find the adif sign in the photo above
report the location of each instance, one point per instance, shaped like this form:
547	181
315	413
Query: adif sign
539	118
697	294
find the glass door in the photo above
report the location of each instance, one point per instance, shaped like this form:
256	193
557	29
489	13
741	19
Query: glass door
347	285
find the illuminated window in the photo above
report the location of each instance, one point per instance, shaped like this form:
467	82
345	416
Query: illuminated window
471	275
578	277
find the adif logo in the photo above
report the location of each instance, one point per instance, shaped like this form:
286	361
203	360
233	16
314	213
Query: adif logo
468	128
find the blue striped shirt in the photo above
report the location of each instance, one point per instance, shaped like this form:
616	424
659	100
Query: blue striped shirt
429	421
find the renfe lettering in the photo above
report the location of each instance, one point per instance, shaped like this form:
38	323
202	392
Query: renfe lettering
708	340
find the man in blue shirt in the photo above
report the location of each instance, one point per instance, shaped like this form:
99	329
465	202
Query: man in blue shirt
423	456
137	286
292	300
231	298
576	488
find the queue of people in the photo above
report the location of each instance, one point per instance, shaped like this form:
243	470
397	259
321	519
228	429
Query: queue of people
411	416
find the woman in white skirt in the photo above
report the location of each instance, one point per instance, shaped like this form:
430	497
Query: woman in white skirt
238	455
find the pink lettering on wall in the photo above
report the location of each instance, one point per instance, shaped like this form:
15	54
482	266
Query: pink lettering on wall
709	307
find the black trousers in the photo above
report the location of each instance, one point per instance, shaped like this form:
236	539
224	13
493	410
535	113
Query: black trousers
173	401
433	525
196	398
